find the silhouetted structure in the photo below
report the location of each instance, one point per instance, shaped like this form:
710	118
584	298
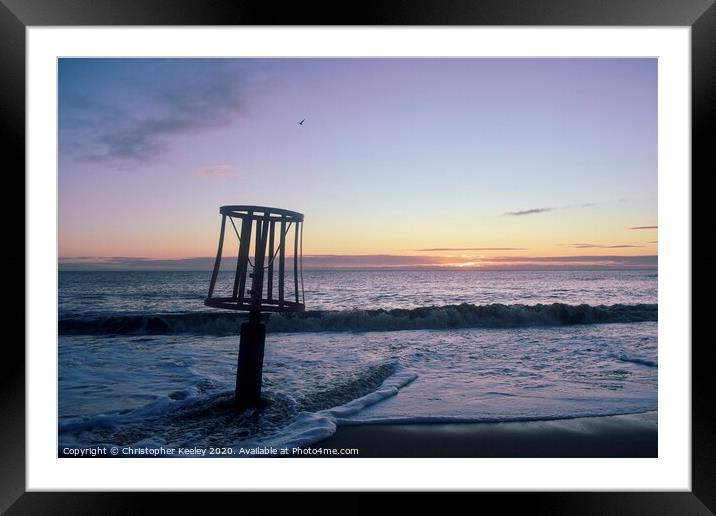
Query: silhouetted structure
271	230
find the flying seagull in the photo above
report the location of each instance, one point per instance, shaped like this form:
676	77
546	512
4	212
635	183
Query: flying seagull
301	122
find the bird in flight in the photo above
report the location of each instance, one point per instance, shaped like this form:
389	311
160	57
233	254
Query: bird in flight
301	122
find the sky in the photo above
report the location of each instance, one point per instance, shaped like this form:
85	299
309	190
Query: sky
473	163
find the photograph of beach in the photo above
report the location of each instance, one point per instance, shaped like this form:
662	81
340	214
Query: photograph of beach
446	257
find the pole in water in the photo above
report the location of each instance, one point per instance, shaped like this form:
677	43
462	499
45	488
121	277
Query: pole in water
249	370
261	223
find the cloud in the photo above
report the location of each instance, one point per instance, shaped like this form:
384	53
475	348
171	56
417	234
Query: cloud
131	113
207	263
473	249
375	261
600	203
599	246
531	211
133	263
600	262
371	260
215	170
644	227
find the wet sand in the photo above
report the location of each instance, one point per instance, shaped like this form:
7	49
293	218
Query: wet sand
633	435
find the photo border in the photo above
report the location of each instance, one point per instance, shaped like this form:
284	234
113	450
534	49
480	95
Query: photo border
700	15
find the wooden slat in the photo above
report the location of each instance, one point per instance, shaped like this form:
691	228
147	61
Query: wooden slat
295	261
300	263
281	258
259	258
243	261
217	263
269	283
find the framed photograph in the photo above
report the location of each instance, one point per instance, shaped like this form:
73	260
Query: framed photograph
439	249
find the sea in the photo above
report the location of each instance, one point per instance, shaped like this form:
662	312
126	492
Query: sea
144	364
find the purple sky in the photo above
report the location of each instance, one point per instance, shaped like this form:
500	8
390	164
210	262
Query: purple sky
464	161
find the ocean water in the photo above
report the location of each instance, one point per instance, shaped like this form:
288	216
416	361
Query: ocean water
143	362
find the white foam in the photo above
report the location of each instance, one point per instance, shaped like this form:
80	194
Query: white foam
162	405
311	427
422	420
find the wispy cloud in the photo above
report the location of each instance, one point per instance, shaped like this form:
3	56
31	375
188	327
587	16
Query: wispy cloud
644	227
137	122
531	211
601	246
215	170
206	263
436	249
603	261
601	203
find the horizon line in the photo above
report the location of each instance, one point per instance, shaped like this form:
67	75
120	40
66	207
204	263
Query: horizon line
405	269
373	262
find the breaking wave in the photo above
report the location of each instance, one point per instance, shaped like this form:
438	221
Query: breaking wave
195	418
636	360
424	318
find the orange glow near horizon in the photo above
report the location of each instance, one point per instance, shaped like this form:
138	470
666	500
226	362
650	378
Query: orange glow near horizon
469	243
176	250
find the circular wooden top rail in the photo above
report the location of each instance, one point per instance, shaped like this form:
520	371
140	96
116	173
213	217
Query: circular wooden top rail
260	213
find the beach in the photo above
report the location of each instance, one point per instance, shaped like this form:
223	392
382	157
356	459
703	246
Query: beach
631	435
507	364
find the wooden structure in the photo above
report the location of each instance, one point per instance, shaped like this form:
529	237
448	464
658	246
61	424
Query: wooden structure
258	285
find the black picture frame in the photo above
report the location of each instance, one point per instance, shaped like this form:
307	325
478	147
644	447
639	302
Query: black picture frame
700	15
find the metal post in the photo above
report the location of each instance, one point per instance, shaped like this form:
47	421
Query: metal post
249	370
251	362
